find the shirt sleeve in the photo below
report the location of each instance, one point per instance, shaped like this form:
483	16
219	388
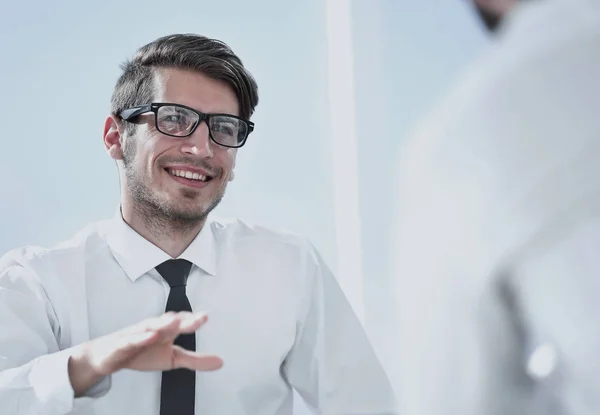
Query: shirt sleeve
556	288
34	376
332	364
457	347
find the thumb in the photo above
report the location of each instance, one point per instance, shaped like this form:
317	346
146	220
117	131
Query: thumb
187	359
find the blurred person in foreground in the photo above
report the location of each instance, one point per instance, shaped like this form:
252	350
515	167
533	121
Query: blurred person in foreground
497	239
112	321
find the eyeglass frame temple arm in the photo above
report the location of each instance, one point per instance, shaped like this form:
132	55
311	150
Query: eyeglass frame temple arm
130	113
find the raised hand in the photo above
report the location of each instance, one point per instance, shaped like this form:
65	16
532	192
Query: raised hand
146	346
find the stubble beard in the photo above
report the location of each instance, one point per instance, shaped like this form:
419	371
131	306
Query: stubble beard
160	215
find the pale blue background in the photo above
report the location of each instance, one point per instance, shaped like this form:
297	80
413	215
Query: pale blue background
59	61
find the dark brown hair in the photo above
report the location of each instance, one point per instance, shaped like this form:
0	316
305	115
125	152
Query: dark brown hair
210	57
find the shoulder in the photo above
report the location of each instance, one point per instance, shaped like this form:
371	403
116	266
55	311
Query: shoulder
243	233
237	229
540	66
39	260
502	128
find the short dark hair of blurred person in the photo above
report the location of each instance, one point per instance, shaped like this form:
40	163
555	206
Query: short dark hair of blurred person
492	11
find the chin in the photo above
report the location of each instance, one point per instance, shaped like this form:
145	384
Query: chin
193	210
187	202
186	215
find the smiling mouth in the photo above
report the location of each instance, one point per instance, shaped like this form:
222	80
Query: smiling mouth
186	174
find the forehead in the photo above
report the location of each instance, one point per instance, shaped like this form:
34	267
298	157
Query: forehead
195	90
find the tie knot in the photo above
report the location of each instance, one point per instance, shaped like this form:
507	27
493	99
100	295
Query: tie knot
175	271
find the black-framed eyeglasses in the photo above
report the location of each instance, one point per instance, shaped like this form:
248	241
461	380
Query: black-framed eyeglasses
178	120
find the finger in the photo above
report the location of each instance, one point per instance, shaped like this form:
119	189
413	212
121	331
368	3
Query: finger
163	322
141	340
184	322
192	322
151	324
195	361
128	346
119	349
166	326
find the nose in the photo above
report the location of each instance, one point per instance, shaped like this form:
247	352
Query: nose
199	143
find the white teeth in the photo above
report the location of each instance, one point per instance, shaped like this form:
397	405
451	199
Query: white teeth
187	175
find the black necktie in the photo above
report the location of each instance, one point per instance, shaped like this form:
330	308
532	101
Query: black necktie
178	388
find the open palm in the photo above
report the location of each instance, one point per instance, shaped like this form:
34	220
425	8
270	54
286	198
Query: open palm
148	346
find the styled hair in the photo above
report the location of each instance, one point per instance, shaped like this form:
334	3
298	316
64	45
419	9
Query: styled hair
211	57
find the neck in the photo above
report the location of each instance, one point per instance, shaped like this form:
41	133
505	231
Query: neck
173	237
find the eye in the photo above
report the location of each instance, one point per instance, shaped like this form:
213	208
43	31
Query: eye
174	115
225	128
173	118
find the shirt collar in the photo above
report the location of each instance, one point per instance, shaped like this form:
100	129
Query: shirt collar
137	256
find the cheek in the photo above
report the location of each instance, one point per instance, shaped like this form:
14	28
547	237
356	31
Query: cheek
230	158
138	150
154	151
129	147
224	159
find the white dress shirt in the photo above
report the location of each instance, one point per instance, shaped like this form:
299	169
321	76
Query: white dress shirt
277	317
497	246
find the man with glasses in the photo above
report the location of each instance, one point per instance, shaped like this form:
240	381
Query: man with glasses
498	232
108	322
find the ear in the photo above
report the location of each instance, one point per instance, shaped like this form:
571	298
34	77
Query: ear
113	138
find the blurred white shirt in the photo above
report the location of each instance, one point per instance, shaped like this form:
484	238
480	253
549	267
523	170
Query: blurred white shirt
497	246
277	317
